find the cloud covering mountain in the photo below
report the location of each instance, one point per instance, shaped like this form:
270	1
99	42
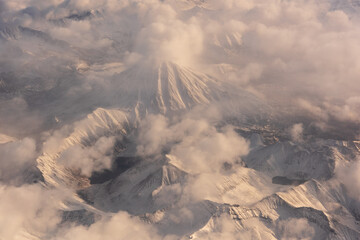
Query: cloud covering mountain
149	119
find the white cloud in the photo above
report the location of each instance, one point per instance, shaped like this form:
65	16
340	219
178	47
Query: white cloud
296	54
349	176
191	141
208	149
16	157
29	209
121	226
165	37
296	132
154	135
282	50
88	159
293	228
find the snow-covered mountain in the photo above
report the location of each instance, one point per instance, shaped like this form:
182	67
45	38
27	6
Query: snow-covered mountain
106	120
166	87
287	181
85	132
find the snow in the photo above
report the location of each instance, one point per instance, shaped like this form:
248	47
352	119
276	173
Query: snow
156	189
5	139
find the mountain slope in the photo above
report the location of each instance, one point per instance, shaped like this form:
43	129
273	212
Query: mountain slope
102	122
313	201
164	88
140	189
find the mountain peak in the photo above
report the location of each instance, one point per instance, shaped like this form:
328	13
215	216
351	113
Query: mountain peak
165	87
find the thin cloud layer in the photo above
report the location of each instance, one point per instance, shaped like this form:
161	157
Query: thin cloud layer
287	52
30	210
17	158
